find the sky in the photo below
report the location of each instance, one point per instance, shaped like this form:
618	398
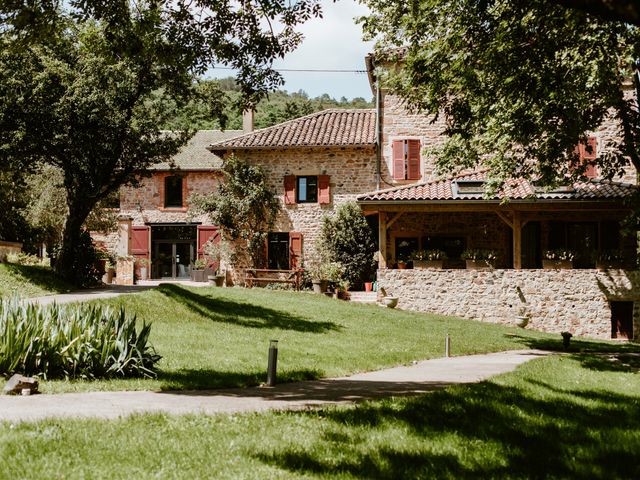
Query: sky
333	42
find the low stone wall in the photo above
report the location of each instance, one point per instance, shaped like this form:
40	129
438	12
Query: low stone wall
555	300
9	247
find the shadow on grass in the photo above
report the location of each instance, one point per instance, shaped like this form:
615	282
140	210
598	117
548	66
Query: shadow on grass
42	277
484	430
202	379
243	314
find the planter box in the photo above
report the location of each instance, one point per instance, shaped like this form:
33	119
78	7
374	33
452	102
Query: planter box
557	264
198	276
478	265
423	264
609	265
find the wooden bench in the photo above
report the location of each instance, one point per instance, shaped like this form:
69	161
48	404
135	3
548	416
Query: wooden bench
265	276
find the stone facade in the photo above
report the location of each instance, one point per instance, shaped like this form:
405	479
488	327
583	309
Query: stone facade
555	300
351	171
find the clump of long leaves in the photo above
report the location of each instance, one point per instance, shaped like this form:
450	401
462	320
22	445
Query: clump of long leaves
73	341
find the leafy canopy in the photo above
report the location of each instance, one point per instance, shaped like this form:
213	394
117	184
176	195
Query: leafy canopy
243	206
514	81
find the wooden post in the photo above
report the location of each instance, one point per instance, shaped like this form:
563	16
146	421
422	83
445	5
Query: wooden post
382	240
517	240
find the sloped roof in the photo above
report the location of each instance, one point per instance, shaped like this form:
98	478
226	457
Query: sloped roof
448	189
329	128
195	156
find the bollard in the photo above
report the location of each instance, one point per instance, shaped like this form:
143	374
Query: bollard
273	363
447	346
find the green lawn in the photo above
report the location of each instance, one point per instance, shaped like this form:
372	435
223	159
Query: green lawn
572	417
213	337
30	281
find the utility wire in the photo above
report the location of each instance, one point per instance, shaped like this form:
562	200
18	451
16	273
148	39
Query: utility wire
299	70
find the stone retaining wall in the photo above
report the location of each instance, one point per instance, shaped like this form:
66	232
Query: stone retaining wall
7	248
555	300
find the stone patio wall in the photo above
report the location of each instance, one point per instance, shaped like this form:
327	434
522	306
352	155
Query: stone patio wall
555	300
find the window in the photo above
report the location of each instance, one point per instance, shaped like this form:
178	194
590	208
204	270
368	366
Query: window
173	192
307	189
588	155
278	250
406	159
452	246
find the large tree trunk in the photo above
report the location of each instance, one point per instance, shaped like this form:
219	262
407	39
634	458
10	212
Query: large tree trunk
68	262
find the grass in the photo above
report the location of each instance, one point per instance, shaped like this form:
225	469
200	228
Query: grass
212	337
575	416
30	281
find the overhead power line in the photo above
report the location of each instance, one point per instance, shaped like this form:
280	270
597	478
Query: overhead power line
310	70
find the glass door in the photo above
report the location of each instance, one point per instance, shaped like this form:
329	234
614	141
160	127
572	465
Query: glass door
173	259
164	260
183	257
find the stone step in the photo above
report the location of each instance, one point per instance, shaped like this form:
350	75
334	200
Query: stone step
363	297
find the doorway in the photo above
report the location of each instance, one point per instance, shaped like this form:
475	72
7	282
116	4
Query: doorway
622	320
173	249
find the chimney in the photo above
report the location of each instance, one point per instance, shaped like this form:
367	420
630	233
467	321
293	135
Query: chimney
247	121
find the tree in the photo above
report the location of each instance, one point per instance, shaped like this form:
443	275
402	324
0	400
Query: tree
347	239
514	80
80	81
243	206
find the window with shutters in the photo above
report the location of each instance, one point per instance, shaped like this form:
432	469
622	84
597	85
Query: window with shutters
406	159
278	250
307	189
173	192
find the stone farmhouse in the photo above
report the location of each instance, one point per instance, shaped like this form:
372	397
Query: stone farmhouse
381	159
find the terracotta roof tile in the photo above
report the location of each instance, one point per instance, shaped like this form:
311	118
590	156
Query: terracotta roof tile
328	128
195	156
448	189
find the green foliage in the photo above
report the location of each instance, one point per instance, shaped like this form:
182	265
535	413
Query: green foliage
77	341
30	281
243	206
23	259
85	261
348	239
279	106
513	80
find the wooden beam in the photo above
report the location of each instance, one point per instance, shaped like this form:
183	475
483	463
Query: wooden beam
517	241
503	216
382	240
394	219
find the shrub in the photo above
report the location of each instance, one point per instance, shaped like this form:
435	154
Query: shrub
348	240
23	259
74	341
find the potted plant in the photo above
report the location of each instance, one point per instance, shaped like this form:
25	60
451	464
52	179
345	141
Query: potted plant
387	300
428	258
558	259
342	290
566	339
479	259
522	319
322	272
142	263
217	253
608	259
197	270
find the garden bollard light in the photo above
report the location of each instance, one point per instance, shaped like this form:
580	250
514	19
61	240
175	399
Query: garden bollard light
273	363
447	346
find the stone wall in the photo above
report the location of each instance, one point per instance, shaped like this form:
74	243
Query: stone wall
351	170
7	248
555	300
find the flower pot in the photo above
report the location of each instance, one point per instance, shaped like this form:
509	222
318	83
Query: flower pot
390	302
423	264
143	273
402	265
477	265
605	265
522	321
198	276
368	286
557	264
219	280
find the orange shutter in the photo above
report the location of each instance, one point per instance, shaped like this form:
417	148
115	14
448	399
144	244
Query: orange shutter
413	160
324	189
398	159
295	249
206	233
590	157
289	189
140	241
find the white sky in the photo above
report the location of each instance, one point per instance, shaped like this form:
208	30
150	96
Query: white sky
333	42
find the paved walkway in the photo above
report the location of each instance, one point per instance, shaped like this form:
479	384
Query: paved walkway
416	379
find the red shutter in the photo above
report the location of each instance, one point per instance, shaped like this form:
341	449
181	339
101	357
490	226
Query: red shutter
206	233
295	249
413	159
324	189
398	159
140	241
289	189
590	157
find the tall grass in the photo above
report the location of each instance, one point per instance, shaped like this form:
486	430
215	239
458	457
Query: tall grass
74	341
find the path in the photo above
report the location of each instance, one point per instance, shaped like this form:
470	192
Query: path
420	378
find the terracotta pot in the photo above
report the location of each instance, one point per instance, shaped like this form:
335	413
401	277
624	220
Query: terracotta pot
368	286
422	264
402	265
